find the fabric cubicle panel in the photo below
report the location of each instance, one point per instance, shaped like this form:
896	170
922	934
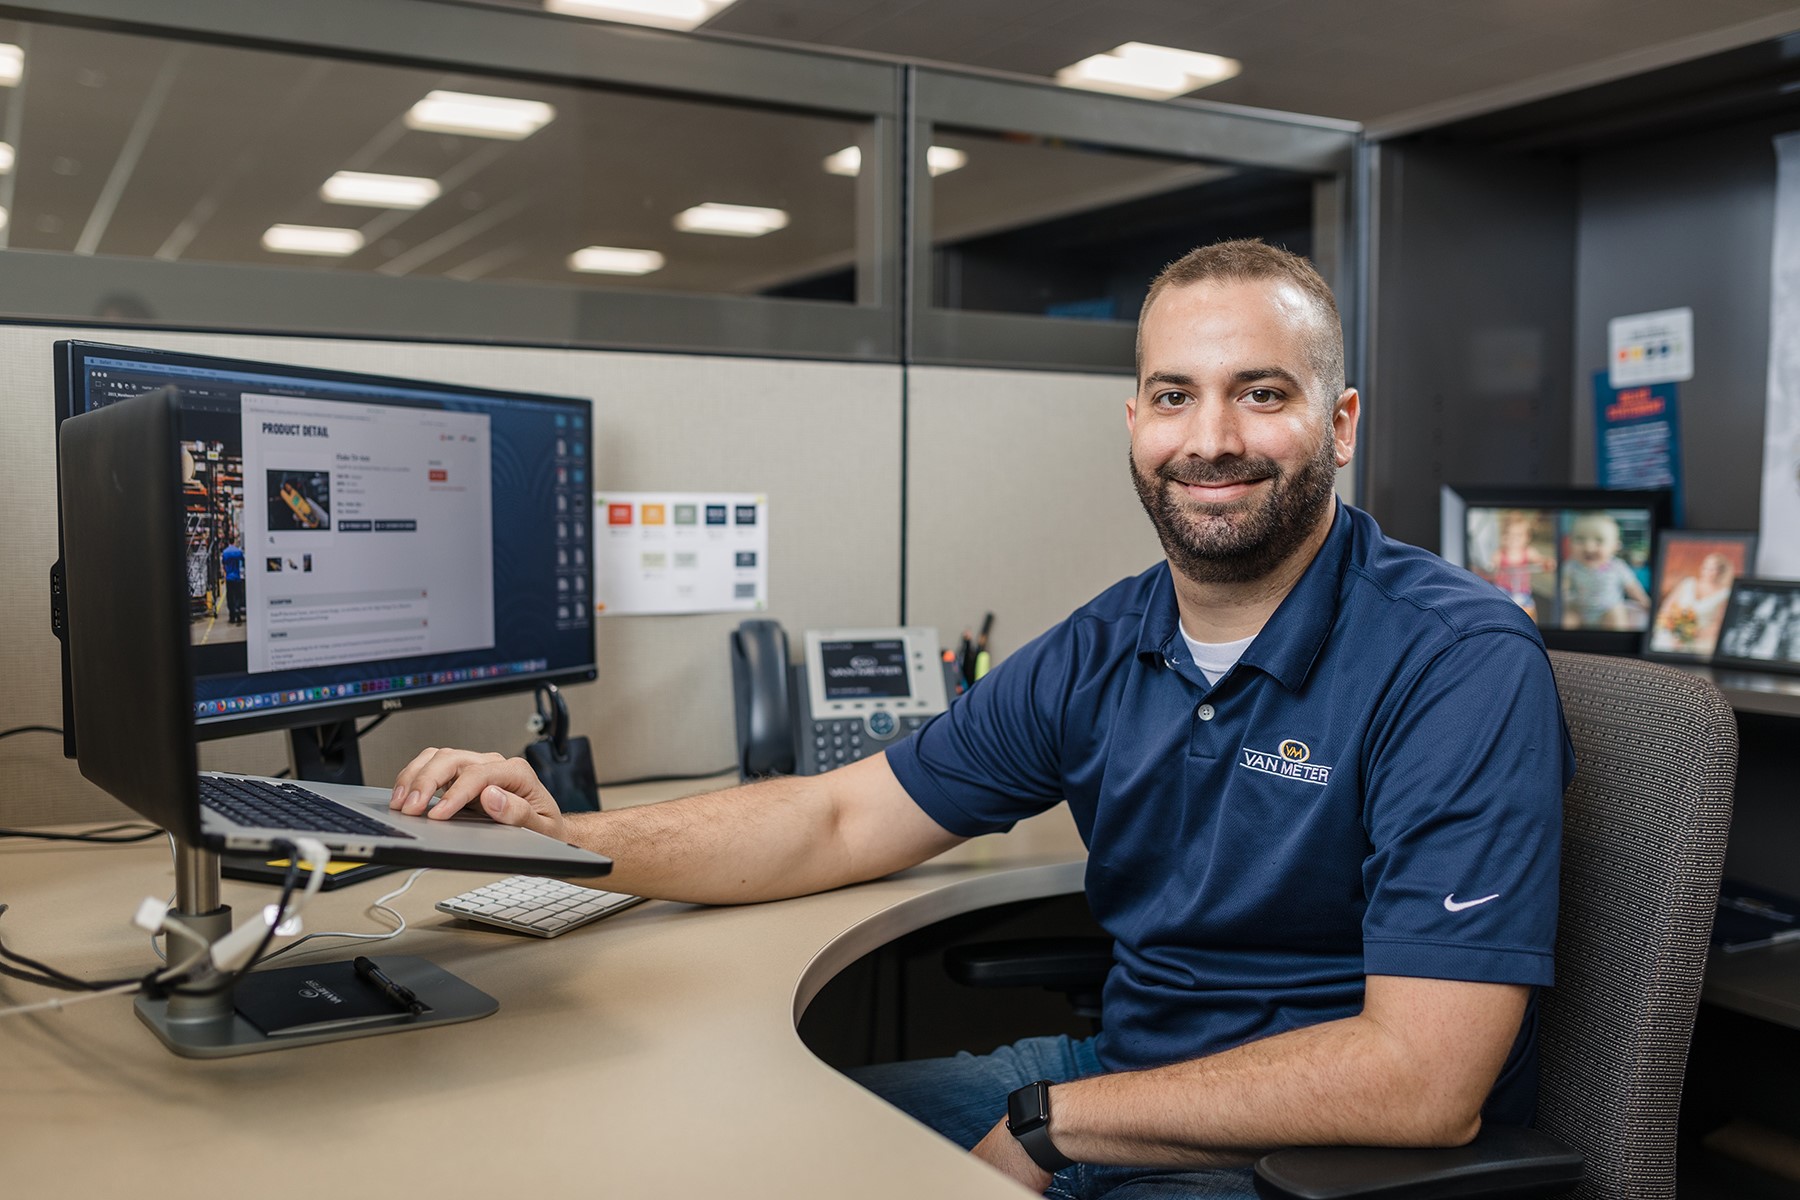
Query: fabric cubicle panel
1019	499
821	439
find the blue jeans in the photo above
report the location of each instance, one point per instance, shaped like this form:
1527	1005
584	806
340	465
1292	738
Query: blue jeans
962	1097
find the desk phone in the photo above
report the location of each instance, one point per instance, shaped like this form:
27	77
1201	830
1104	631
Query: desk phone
855	692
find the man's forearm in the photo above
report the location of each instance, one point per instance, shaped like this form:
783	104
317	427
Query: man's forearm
1409	1077
763	841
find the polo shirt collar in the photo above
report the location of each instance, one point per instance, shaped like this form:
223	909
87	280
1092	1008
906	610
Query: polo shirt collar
1290	642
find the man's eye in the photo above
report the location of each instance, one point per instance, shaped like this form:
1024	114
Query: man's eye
1171	399
1263	396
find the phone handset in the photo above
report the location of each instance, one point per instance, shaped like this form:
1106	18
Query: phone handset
762	693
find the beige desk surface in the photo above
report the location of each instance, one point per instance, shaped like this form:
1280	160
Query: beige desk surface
652	1054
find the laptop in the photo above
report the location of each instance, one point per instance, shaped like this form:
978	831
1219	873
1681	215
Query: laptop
132	674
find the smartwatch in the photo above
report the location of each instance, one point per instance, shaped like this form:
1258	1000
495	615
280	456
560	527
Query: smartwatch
1028	1119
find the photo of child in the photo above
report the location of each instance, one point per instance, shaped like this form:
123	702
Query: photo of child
1600	585
1515	550
1695	578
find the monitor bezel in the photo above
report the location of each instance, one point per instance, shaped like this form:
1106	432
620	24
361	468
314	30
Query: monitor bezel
69	365
1456	499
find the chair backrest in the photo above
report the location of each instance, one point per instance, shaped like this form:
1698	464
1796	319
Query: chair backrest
1644	828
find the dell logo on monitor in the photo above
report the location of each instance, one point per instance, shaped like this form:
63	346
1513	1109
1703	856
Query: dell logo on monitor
389	705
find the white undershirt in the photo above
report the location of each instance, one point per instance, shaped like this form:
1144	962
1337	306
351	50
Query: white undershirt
1216	658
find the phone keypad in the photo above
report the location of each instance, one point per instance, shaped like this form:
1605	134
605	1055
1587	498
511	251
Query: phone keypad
839	741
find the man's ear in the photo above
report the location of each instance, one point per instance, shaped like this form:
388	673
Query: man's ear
1344	417
1131	413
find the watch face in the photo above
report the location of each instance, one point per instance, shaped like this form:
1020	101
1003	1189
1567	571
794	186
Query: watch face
1028	1108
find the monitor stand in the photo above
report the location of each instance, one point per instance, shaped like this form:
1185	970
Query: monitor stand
327	753
215	1026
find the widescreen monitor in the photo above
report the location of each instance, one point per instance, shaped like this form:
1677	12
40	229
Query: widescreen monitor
1577	560
356	544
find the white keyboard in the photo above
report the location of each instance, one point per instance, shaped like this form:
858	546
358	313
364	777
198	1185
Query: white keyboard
534	905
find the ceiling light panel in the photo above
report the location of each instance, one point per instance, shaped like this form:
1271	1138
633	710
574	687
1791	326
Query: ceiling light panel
1147	71
12	64
379	191
939	160
312	239
731	220
6	157
615	260
663	14
472	115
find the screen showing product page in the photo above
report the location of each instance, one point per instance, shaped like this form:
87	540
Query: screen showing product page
356	537
360	521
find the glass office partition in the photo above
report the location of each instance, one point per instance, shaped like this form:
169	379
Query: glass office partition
403	168
1042	214
386	196
1042	226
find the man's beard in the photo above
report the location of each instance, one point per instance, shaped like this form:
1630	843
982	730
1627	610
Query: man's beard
1239	540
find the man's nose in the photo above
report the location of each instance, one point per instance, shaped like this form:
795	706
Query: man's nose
1213	431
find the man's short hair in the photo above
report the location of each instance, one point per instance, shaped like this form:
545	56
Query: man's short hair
1247	259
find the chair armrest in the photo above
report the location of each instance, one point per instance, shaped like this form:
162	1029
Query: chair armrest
1058	963
1502	1161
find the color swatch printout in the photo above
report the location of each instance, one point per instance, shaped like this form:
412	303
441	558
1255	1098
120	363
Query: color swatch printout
680	552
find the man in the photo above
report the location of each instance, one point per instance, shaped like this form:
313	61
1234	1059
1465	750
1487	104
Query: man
1319	776
232	560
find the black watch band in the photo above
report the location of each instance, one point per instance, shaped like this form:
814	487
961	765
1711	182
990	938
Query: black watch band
1028	1120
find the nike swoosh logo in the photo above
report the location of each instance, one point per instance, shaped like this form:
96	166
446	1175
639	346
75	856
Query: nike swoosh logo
1452	904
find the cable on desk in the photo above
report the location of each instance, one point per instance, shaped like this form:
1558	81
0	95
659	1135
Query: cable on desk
104	835
60	1002
16	729
379	905
614	783
48	975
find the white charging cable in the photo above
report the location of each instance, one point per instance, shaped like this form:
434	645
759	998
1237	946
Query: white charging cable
233	951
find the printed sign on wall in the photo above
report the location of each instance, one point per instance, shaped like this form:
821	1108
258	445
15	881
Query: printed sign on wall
680	552
1656	347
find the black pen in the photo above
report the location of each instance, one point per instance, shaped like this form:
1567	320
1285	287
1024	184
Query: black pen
401	995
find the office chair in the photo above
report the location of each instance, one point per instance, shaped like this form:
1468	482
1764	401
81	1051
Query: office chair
1644	828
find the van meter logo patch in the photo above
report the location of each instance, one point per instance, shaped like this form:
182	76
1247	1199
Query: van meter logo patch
1292	759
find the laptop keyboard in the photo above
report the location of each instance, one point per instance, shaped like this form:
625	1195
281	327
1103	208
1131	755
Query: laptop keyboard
262	804
534	905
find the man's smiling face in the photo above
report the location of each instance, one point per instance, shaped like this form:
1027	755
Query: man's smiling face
1233	448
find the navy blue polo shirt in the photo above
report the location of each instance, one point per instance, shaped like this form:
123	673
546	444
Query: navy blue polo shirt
1374	789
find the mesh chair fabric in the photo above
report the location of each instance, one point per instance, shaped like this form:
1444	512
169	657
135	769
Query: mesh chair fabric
1644	829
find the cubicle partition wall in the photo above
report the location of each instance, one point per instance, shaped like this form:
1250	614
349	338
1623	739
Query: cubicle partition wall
1018	499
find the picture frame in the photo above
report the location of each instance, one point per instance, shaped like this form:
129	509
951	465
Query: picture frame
1695	571
1762	626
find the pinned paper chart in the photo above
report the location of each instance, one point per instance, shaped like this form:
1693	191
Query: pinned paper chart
680	552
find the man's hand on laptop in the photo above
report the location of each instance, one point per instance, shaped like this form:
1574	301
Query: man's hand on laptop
506	789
